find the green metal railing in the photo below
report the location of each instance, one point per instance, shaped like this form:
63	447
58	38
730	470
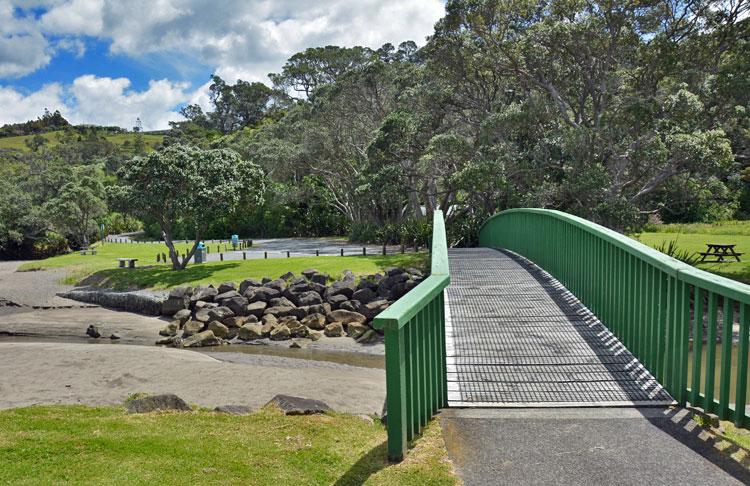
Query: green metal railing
650	301
416	380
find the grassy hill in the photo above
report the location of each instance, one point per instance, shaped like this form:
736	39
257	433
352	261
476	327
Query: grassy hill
53	138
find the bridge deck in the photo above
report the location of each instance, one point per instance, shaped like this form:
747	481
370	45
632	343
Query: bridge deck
517	338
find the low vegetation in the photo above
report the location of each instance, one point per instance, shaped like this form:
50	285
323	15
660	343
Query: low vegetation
77	445
102	268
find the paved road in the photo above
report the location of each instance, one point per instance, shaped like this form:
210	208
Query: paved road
594	446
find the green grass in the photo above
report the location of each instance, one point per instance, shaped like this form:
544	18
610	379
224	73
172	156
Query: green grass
696	242
719	228
101	269
82	445
19	142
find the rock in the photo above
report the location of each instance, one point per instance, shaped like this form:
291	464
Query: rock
309	298
191	327
233	409
203	315
315	321
287	276
334	329
299	281
355	330
255	309
219	313
368	336
219	329
182	315
250	332
373	308
391	271
297	329
230	294
367	283
281	302
234	322
320	278
204	338
319	288
265	280
346	317
277	284
250	319
297	312
249	283
201	304
140	301
174	304
308	274
297	405
206	294
269	319
153	403
181	292
226	287
365	295
93	331
314	335
114	336
169	329
351	305
336	300
280	333
266	329
297	344
236	304
171	341
323	308
342	287
262	294
402	288
348	275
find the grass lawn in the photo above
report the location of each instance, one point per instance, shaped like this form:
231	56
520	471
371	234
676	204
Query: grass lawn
101	269
696	242
77	445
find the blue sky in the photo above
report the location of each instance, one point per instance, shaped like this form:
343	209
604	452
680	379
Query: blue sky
110	61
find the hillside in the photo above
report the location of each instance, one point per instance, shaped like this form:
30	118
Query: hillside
53	138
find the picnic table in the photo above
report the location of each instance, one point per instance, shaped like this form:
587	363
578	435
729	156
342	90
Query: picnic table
720	252
88	250
131	262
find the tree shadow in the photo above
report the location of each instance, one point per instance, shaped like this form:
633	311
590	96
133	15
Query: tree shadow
159	276
375	460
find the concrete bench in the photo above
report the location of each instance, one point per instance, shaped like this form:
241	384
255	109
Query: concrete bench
88	250
130	261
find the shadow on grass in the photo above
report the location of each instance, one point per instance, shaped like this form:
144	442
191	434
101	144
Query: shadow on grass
375	460
159	276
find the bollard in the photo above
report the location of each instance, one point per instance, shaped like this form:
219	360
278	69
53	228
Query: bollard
342	252
158	258
244	255
317	252
221	257
287	254
384	250
403	248
164	257
364	251
265	255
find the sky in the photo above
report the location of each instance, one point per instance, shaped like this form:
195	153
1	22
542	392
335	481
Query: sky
108	62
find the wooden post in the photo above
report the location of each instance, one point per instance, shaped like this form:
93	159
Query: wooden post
364	251
265	255
403	248
244	255
221	257
287	254
384	249
317	252
158	258
342	252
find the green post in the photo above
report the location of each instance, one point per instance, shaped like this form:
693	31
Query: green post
395	366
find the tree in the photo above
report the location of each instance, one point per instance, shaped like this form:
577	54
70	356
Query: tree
78	205
189	186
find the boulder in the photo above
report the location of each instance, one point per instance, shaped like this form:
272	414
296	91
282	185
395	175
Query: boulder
114	336
171	341
219	313
348	275
297	405
140	301
181	292
280	333
346	317
320	278
355	330
255	308
319	288
204	338
350	305
265	280
365	295
219	329
229	294
368	336
315	335
296	329
342	287
323	308
250	332
93	331
308	274
205	294
203	315
234	322
334	329
281	302
277	284
336	300
269	319
373	308
266	329
249	283
191	327
233	409
297	312
367	283
297	344
391	271
182	315
262	294
169	329
299	281
172	305
236	304
315	321
155	403
287	276
202	304
226	287
309	298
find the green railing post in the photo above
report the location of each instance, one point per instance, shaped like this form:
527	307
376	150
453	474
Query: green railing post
395	359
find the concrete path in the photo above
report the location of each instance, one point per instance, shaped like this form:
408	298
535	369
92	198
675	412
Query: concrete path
595	446
104	374
32	288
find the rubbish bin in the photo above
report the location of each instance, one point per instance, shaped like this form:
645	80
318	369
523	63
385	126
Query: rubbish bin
200	253
235	241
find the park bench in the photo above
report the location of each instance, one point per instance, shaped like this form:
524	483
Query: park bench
88	250
719	252
131	262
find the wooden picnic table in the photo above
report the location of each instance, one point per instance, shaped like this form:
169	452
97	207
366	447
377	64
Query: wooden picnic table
720	251
131	262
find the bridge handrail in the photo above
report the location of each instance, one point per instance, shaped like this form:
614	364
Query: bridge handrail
416	380
650	301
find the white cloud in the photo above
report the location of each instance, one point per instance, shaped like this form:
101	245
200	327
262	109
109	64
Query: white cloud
81	17
99	100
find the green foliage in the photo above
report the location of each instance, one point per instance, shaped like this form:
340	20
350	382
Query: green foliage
671	249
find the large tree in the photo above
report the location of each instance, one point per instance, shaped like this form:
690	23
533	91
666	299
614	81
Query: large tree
189	186
77	206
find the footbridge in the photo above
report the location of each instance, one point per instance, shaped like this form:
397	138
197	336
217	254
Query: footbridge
555	311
